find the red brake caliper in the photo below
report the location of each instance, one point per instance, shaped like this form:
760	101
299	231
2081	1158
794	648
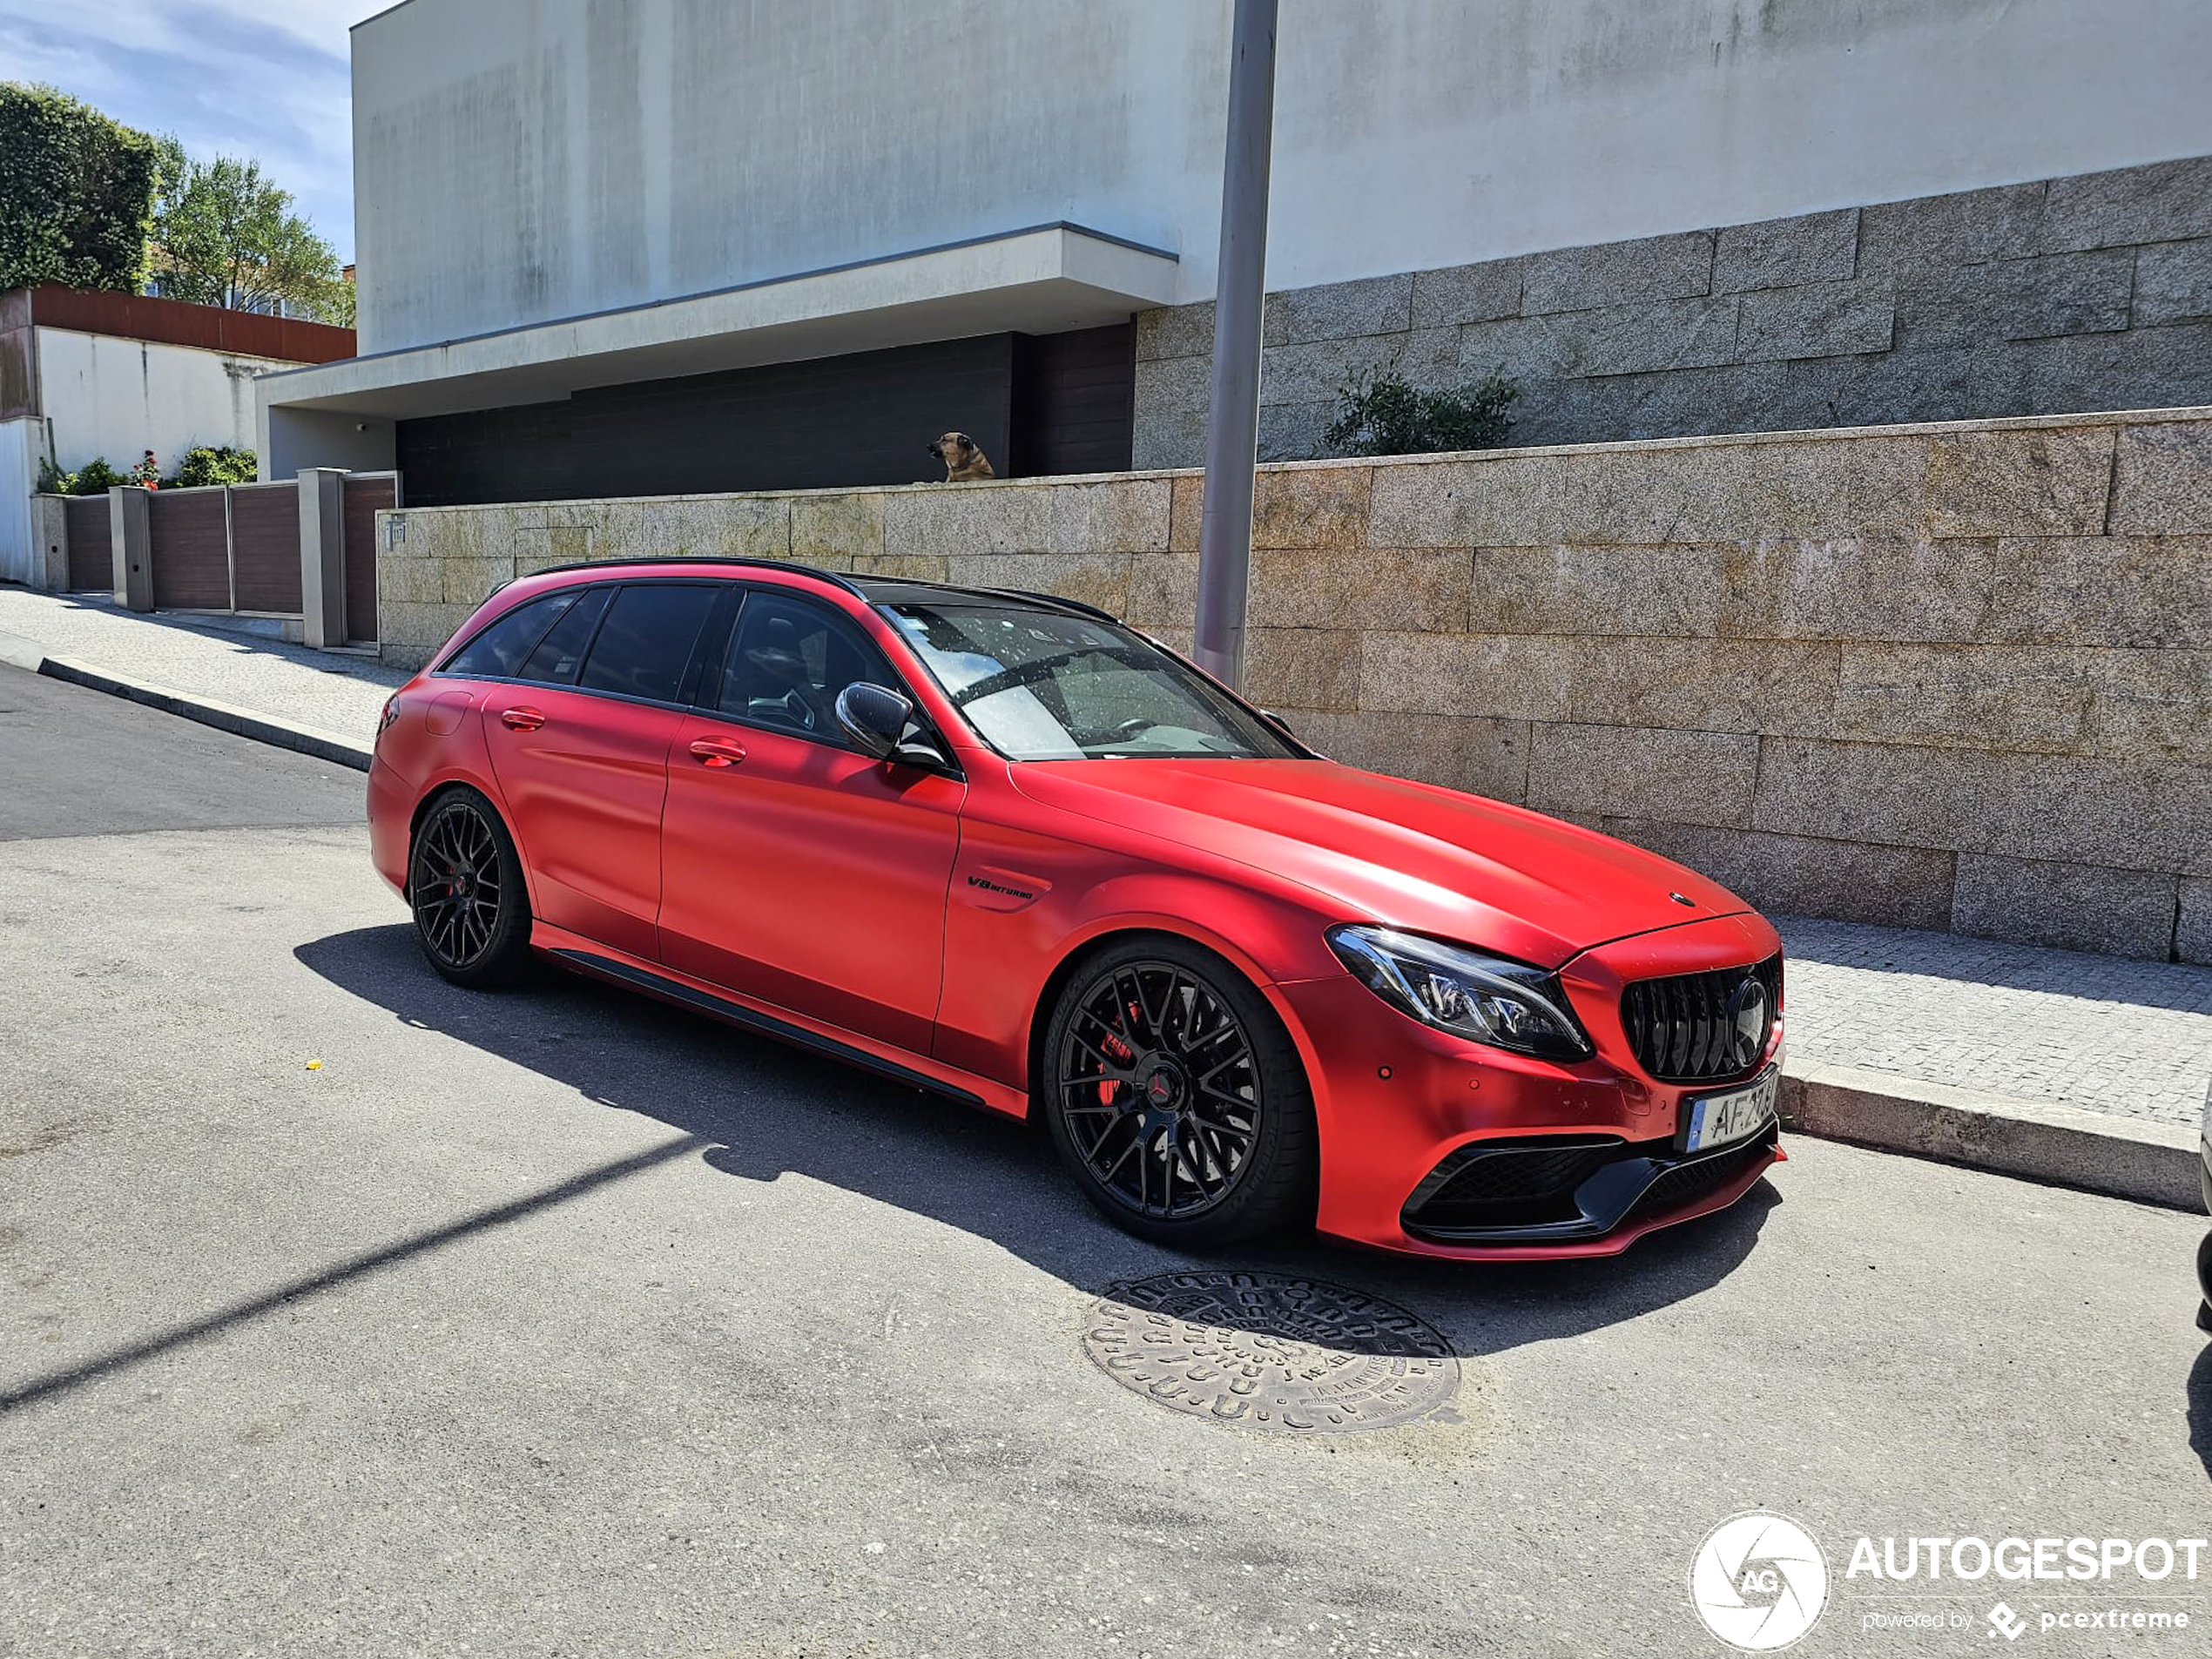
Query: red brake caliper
1121	1054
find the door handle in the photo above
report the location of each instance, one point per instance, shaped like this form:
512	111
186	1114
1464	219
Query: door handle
522	719
717	752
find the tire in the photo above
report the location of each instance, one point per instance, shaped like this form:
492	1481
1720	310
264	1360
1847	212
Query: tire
1175	1098
472	913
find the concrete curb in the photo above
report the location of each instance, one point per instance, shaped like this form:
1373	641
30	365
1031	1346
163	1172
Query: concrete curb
2121	1157
224	717
15	652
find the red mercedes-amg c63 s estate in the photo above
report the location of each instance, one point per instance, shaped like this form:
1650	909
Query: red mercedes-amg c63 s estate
1001	847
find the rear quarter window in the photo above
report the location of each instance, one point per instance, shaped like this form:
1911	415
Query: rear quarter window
559	655
499	652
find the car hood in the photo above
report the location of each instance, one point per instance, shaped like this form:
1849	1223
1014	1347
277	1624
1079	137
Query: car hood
1413	856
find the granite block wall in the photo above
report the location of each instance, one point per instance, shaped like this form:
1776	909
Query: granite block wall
2052	297
1948	676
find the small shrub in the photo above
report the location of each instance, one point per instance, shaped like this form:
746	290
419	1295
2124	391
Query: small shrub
96	478
1381	413
215	464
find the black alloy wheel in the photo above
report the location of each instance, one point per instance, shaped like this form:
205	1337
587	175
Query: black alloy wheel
465	883
1175	1097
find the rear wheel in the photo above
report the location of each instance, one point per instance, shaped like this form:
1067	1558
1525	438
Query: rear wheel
472	916
1175	1097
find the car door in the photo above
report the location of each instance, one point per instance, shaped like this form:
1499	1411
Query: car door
579	742
795	869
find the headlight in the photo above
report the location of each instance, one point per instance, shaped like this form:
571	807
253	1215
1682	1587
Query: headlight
1485	999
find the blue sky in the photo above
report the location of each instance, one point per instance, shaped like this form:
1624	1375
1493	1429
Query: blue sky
263	78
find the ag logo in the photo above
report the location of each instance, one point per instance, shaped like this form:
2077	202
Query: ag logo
1758	1582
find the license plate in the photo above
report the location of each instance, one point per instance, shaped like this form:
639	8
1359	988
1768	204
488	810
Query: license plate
1718	1120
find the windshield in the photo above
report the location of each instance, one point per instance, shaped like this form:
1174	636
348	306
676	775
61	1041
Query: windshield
1045	685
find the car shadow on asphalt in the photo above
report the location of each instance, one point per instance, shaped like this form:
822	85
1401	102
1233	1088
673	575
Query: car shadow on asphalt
2200	1398
762	1110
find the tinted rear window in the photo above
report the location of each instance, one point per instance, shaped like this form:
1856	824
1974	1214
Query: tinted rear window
561	652
646	641
498	651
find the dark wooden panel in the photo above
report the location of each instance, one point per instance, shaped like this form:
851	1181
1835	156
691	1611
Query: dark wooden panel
1075	401
91	544
264	538
1052	403
365	498
867	418
188	541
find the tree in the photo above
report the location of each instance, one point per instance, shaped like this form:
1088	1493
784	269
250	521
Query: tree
225	234
75	192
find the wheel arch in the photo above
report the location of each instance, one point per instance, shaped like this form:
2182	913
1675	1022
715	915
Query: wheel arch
1096	941
428	802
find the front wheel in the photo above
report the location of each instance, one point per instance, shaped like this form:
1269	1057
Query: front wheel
472	916
1175	1097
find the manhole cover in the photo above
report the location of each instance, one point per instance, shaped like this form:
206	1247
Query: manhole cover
1270	1353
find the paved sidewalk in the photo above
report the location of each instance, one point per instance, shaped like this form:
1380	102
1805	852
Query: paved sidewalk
337	693
2090	1069
2101	1033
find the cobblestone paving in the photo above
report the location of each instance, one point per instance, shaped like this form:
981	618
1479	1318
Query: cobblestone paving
2102	1032
339	694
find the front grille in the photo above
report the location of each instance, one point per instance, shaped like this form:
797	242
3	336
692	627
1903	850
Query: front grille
1686	1182
1510	1185
1700	1028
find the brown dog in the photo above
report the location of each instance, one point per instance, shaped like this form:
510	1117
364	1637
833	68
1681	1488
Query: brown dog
963	461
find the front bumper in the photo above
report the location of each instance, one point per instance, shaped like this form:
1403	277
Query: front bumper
1398	1103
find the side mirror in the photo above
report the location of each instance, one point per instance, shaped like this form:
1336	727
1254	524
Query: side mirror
876	719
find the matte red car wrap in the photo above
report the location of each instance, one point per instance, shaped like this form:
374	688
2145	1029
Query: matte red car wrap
923	920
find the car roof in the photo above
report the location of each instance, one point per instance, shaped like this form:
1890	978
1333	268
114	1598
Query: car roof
875	590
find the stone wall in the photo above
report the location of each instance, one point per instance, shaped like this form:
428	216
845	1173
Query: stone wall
1947	676
2087	293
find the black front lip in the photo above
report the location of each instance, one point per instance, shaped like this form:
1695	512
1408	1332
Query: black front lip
1605	1199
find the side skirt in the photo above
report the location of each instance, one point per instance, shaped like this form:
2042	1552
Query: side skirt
617	971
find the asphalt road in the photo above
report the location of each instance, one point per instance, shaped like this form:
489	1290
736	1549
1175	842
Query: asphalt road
551	1322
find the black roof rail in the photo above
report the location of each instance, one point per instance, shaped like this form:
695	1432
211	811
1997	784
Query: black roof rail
836	578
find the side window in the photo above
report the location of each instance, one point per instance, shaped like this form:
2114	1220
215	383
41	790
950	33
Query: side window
499	650
561	652
789	662
645	643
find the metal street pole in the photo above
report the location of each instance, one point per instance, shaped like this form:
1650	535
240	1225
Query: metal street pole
1232	418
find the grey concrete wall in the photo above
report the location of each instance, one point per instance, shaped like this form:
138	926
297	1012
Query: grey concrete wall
519	160
1945	675
2092	292
291	440
49	543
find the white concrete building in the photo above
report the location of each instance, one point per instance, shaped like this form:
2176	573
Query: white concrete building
588	229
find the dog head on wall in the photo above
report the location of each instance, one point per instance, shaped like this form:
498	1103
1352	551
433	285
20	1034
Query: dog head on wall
963	461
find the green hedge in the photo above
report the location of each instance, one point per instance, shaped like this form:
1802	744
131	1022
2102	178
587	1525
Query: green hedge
75	192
